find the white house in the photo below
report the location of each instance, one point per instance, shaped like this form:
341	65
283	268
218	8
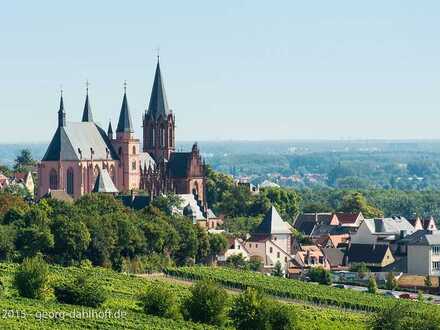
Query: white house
423	254
382	231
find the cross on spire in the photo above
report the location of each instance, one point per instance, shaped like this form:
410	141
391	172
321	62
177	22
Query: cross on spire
87	86
125	86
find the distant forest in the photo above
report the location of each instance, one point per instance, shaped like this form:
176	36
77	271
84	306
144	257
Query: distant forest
375	164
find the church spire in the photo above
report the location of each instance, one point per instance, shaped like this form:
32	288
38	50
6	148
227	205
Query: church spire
61	112
158	101
87	113
125	124
110	130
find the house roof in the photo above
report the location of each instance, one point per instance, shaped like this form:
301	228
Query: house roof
125	124
348	218
104	183
75	141
389	225
273	224
334	256
424	237
158	106
368	253
59	195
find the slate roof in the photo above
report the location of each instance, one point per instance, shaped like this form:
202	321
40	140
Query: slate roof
87	113
158	105
125	124
69	140
273	224
368	253
104	183
389	225
334	256
423	237
178	163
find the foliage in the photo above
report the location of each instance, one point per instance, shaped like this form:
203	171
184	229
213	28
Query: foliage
428	281
320	275
281	317
372	285
249	311
356	202
160	301
236	261
360	268
23	161
31	277
278	270
391	283
82	291
167	203
206	304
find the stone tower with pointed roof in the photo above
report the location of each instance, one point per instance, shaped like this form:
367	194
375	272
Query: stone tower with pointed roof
127	148
158	123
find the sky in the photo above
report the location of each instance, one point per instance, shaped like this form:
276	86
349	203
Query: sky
233	70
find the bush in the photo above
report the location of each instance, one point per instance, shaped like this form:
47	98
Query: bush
82	291
372	285
31	277
206	303
320	275
391	281
281	317
249	311
160	301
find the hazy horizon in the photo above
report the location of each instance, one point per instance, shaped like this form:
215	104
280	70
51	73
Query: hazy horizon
233	71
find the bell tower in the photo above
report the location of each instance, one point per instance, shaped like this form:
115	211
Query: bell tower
159	122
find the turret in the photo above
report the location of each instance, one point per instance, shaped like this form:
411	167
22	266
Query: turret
61	113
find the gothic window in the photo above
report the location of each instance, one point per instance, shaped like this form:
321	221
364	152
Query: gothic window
170	136
112	174
133	166
70	181
153	136
53	179
134	150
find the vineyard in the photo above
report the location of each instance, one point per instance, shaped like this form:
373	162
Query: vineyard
293	289
123	290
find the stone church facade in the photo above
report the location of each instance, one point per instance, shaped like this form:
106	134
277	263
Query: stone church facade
80	151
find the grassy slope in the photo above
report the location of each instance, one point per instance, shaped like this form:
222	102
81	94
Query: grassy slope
123	291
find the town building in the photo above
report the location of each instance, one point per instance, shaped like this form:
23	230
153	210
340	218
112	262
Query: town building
423	253
375	256
79	151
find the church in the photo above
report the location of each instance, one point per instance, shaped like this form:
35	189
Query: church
83	158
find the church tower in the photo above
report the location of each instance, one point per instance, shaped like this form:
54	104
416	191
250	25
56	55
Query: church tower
158	123
127	148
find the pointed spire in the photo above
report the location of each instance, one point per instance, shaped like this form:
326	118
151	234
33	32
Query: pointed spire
87	113
158	101
61	112
125	124
110	130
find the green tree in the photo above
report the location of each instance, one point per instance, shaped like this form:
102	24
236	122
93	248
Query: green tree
160	301
31	277
428	281
7	246
23	160
286	201
33	240
391	283
167	203
207	303
218	244
249	311
278	270
202	244
356	202
372	285
83	291
320	275
236	261
71	240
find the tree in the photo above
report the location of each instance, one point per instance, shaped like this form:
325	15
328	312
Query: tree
83	291
356	202
218	244
160	301
33	240
71	240
320	275
391	281
281	317
167	203
249	311
236	261
360	268
23	160
31	277
206	304
286	201
202	244
278	270
7	246
428	281
372	285
9	201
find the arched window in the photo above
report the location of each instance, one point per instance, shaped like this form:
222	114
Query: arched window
170	137
134	150
53	179
70	181
153	136
112	174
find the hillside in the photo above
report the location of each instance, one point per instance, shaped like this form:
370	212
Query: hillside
123	290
